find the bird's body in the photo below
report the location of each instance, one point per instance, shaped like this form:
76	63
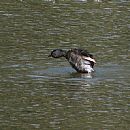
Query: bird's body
79	59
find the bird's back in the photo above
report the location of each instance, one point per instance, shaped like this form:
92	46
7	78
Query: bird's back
77	59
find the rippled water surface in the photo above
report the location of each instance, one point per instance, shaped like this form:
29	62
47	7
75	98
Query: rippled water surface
38	92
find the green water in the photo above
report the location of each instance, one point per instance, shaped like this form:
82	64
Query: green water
41	93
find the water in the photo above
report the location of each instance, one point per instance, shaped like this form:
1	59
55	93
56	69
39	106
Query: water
37	92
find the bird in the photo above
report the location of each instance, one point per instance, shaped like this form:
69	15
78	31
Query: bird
81	60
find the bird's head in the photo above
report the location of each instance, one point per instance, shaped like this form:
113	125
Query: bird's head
57	53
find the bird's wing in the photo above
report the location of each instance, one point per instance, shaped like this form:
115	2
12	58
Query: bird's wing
89	59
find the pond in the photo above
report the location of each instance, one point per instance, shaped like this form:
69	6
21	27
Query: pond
39	92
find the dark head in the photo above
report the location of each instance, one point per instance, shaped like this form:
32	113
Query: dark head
57	53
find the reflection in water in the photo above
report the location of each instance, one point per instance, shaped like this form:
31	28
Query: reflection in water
89	75
39	93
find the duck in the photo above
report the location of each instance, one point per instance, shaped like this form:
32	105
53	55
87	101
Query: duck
81	60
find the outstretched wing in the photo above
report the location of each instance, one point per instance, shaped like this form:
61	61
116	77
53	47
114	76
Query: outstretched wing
80	60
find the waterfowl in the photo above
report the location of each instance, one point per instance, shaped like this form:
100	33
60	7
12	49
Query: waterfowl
81	60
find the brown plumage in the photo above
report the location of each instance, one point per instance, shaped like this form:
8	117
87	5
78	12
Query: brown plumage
81	60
